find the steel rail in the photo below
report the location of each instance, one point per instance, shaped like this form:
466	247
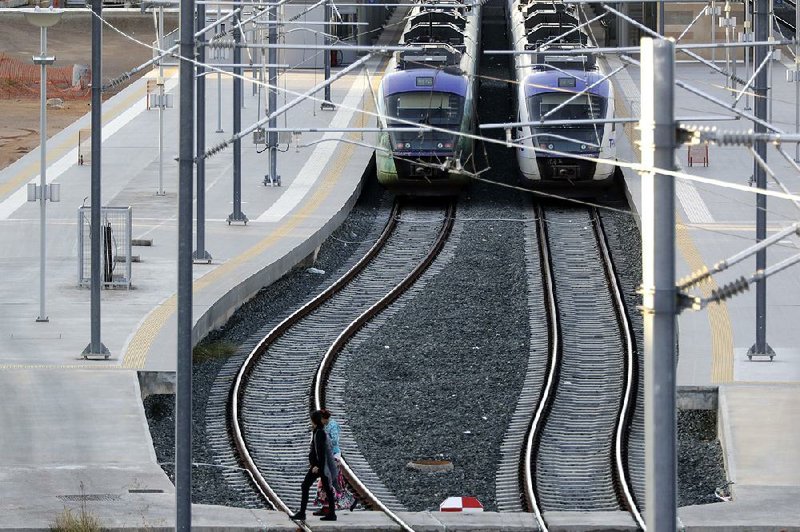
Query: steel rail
626	406
237	390
328	360
547	396
625	413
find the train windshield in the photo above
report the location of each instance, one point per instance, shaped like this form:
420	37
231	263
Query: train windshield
441	109
583	107
580	138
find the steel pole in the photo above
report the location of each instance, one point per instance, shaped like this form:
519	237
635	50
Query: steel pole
95	346
797	81
254	70
237	215
200	254
658	282
623	28
183	410
363	15
272	59
327	105
729	77
42	176
219	82
770	23
761	20
160	191
714	31
747	35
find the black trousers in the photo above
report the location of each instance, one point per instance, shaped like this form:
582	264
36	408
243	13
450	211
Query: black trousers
326	485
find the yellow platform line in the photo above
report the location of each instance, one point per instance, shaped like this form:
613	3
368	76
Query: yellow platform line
139	346
718	317
54	153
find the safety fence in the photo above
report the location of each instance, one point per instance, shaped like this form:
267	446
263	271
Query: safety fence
21	80
116	224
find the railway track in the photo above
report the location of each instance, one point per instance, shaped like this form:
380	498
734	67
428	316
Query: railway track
285	375
568	434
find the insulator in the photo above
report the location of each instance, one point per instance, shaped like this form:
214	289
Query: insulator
116	81
735	138
694	278
216	149
729	290
220	44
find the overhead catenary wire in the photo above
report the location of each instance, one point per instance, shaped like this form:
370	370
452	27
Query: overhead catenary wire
714	100
713	183
657	35
638	167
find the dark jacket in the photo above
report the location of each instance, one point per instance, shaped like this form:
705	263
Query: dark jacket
318	450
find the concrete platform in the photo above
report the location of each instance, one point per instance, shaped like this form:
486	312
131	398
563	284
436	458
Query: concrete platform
758	414
73	426
154	512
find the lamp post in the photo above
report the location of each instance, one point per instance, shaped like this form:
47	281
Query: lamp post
43	18
161	104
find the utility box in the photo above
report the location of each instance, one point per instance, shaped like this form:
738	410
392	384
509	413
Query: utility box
116	227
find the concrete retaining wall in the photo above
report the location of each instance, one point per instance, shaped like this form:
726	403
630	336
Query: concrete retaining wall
698	397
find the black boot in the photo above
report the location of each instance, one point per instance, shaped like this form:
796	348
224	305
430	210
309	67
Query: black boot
329	517
299	516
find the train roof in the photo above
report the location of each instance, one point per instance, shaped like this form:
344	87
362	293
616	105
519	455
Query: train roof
553	56
549	17
566	81
427	79
445	33
548	31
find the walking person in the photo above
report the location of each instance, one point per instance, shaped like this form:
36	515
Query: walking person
318	468
343	498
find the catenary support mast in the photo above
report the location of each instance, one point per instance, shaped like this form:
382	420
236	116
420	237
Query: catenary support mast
658	283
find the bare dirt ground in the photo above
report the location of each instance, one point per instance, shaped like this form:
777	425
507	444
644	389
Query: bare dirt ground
70	42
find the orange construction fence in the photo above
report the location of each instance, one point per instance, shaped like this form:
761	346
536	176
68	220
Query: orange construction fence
19	79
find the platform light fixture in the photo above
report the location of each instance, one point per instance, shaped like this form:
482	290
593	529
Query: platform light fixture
43	19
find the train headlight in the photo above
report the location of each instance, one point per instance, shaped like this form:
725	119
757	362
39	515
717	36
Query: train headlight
583	146
440	145
549	146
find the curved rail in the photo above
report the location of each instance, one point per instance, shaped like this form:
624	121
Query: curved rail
626	406
320	379
317	399
237	389
548	391
532	439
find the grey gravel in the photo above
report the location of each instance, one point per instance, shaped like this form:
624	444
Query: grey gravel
446	386
700	466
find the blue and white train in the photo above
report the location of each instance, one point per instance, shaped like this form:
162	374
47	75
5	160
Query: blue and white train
434	85
556	86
